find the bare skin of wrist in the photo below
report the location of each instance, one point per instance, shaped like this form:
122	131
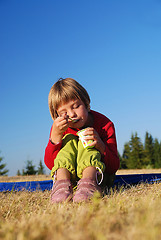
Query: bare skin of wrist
56	140
55	137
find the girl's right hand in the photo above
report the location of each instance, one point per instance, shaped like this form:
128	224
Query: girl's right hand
60	125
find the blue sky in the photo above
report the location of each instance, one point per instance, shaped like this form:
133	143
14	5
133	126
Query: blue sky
113	48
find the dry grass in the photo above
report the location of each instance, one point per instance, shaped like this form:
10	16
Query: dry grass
25	178
132	213
138	171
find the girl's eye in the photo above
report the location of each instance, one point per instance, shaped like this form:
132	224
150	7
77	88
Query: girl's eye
76	106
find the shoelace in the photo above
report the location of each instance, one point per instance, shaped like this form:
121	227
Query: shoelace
54	178
98	173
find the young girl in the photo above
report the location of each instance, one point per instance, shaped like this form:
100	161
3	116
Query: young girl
65	155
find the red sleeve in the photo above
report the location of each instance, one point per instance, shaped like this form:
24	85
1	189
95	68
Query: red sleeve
110	155
51	152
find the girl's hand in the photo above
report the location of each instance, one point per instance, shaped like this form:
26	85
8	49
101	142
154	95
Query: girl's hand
60	125
91	134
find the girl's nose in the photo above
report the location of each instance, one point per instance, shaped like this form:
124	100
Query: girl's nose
71	114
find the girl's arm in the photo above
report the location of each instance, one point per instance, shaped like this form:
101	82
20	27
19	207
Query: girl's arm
51	152
59	126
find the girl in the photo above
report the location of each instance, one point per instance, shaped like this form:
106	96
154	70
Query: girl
65	155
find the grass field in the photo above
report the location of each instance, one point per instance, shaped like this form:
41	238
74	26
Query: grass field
132	213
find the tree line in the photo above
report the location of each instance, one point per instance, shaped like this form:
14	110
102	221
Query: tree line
30	169
141	155
3	170
136	155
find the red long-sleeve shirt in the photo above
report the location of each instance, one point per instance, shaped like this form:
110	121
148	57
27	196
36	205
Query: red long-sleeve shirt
105	129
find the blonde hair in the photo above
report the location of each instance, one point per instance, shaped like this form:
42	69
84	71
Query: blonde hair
65	90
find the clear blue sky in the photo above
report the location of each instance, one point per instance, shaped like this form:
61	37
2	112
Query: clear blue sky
113	48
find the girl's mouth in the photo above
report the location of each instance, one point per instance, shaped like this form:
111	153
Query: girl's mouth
73	120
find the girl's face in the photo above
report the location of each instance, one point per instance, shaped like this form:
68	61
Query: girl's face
75	112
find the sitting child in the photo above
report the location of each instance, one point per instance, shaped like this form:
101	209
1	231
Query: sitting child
65	155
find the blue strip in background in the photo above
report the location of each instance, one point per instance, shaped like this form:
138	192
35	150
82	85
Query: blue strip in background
120	180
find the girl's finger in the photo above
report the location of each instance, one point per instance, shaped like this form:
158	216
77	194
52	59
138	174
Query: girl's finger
89	137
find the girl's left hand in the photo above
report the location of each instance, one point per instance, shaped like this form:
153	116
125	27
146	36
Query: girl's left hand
91	134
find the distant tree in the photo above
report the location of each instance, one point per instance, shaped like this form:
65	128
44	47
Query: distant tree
157	153
3	171
23	172
122	162
137	152
41	169
18	173
149	150
126	155
29	169
133	154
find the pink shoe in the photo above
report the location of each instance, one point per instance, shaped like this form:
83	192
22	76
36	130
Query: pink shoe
85	190
62	191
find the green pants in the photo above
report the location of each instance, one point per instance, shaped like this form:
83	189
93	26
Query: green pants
75	158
